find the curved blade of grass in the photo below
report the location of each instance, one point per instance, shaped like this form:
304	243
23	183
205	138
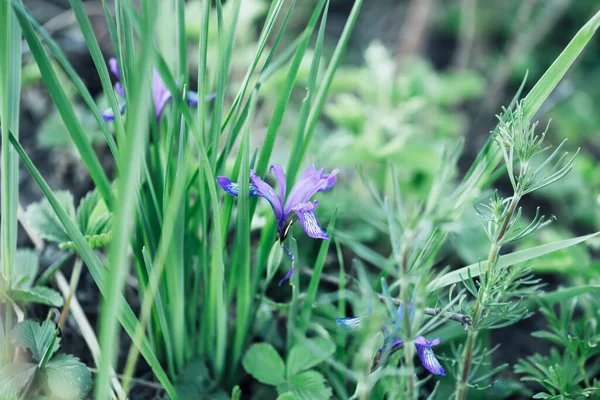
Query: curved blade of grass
507	260
97	270
236	113
313	286
542	89
321	95
216	298
60	56
242	248
131	160
285	93
562	294
94	48
65	109
296	154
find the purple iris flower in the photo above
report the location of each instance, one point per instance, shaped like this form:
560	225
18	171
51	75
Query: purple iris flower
292	207
160	94
391	343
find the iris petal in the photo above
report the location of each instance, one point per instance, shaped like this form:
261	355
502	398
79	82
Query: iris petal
109	115
114	67
265	190
160	94
233	188
119	89
192	97
429	361
306	215
312	181
280	176
350	323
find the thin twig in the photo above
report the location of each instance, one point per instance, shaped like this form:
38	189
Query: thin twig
414	29
139	381
467	33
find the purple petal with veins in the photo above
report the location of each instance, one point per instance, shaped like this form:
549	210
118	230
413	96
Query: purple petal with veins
306	215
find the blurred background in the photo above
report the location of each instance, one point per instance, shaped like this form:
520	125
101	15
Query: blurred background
417	76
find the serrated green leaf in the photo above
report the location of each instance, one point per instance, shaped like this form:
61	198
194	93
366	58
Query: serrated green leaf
39	295
92	215
25	268
264	363
42	218
85	209
14	377
309	385
68	378
518	257
307	354
31	335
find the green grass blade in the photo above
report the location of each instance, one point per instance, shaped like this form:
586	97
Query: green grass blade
97	270
131	159
285	93
295	155
234	113
242	248
315	279
160	308
518	257
60	56
202	66
65	110
563	294
10	89
94	48
321	95
542	89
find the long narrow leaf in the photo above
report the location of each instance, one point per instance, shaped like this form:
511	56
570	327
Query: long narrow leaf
518	257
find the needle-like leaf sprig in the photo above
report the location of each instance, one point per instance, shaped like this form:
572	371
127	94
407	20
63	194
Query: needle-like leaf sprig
494	214
521	147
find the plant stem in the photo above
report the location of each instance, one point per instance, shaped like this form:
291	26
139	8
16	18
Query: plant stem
408	350
467	359
74	282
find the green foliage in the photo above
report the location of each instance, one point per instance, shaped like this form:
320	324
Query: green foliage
564	372
48	375
205	292
264	363
295	379
22	289
92	217
383	115
54	134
